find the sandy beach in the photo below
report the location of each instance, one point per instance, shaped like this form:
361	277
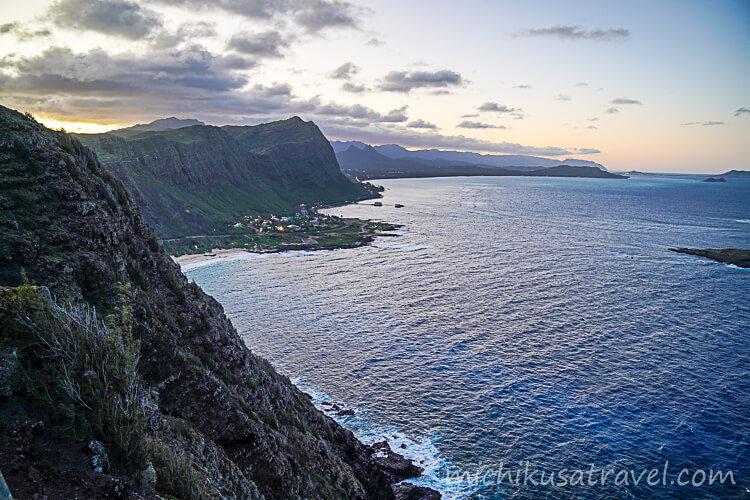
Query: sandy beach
215	254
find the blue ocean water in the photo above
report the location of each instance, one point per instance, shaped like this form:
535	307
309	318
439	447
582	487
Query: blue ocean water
524	321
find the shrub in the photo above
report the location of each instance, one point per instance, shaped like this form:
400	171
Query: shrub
87	378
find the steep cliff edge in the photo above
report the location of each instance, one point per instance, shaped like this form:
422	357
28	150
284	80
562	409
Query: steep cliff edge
188	410
200	179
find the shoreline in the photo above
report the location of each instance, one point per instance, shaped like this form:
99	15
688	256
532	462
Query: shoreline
223	253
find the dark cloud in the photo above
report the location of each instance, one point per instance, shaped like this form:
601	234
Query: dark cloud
704	124
134	85
345	71
316	15
470	115
313	15
421	124
265	44
522	86
741	111
562	97
353	88
611	111
403	81
355	111
111	17
498	108
586	151
22	33
471	124
8	28
625	100
569	32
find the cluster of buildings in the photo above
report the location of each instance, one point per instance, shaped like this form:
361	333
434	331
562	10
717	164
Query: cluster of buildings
303	220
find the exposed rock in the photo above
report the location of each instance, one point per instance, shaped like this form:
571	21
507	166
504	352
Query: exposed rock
408	491
395	466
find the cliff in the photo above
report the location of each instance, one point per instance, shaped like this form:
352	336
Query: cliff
120	378
200	179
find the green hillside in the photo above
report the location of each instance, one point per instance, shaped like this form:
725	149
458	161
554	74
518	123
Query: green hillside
200	179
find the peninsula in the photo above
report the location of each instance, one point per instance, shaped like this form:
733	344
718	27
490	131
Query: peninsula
735	256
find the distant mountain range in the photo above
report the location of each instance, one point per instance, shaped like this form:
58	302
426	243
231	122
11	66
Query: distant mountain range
437	157
197	179
362	161
737	174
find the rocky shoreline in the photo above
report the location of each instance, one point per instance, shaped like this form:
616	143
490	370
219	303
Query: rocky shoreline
735	256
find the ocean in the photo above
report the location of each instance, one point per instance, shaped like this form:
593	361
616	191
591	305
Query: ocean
525	325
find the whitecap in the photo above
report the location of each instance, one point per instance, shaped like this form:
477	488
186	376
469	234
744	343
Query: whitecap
422	450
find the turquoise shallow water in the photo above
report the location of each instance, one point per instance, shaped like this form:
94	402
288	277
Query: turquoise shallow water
524	320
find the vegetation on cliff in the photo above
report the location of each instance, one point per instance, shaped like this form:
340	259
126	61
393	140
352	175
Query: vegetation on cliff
198	180
108	353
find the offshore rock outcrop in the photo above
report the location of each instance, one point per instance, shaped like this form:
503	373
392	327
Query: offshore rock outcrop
189	411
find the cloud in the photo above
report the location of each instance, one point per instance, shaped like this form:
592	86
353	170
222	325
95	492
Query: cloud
111	17
22	33
741	111
582	84
375	42
355	111
165	39
625	100
318	14
265	44
470	115
97	85
471	124
586	151
562	97
611	111
593	119
313	15
571	32
522	86
593	127
421	124
498	108
704	124
353	88
403	81
345	71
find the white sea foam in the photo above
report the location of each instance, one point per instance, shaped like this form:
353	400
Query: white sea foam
744	221
223	258
421	450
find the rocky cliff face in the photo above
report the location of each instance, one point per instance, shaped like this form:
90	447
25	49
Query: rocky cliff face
237	428
199	179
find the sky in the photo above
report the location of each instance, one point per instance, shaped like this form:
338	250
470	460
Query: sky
639	85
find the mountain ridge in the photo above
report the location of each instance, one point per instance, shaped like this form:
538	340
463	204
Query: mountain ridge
517	162
368	163
202	178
